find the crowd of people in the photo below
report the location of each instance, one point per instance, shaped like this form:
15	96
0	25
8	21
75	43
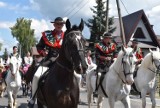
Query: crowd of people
50	44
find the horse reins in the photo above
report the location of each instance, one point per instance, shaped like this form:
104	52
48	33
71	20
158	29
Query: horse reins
125	74
79	49
154	64
64	67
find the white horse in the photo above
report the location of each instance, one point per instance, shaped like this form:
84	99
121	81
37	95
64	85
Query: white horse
2	83
145	81
13	81
117	81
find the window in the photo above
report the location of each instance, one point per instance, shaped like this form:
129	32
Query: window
139	33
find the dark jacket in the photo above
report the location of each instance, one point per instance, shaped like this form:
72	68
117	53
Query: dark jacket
102	51
51	42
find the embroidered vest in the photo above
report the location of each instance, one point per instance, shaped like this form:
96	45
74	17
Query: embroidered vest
52	40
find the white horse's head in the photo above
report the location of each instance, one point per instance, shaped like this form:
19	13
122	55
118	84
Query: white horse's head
14	64
128	60
1	65
155	57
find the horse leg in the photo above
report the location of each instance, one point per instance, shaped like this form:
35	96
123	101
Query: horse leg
126	102
111	101
39	104
14	99
152	96
10	100
143	94
89	96
99	101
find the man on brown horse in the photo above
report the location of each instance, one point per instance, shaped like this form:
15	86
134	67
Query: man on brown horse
49	47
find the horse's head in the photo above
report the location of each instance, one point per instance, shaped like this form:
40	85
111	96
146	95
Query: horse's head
155	57
74	46
1	65
14	64
128	64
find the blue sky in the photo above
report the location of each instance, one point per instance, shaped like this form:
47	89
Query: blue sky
42	11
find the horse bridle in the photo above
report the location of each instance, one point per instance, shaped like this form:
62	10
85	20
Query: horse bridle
124	72
155	65
79	49
12	70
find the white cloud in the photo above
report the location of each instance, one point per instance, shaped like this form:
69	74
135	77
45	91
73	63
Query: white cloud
2	4
63	8
6	24
39	26
7	44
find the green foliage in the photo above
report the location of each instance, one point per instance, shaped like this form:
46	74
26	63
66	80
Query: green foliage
24	34
5	54
1	46
97	25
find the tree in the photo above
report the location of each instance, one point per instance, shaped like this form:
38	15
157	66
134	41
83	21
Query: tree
97	24
1	46
5	55
24	34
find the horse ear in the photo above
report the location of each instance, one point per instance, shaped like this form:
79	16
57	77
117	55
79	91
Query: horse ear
134	49
81	25
150	50
157	49
124	49
68	24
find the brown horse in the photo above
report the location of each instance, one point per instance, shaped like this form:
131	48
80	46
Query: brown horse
60	89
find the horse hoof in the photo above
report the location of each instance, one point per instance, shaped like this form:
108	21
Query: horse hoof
9	106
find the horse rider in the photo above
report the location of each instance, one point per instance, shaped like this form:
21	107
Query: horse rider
139	54
48	46
14	54
91	66
104	57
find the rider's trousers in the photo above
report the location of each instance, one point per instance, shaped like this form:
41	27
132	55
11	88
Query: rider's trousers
40	71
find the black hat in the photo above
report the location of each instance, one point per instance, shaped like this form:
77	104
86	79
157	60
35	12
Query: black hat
58	20
134	40
107	34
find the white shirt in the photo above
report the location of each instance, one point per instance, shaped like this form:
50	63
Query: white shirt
28	60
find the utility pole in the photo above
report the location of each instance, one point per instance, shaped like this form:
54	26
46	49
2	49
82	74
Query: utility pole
107	11
121	24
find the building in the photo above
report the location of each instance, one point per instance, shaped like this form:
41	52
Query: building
136	25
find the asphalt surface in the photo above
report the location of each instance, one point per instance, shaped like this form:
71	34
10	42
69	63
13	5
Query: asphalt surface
135	102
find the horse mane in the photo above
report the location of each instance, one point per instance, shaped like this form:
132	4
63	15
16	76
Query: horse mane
118	61
146	60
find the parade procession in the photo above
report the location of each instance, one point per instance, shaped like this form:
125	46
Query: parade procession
80	54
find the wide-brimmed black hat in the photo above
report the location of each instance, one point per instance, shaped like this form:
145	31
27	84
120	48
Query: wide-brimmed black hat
134	40
58	20
107	34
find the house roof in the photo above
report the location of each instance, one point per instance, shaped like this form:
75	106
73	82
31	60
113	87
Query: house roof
130	23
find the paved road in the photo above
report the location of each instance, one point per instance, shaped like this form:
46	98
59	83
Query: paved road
22	102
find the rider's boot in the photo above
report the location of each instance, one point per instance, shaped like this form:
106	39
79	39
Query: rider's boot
34	89
95	94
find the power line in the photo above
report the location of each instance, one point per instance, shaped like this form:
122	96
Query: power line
69	9
72	9
124	7
80	8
